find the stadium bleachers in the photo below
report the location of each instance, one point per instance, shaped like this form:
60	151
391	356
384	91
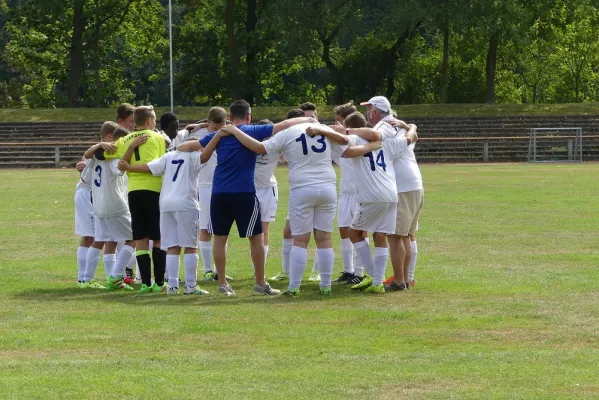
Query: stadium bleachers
443	139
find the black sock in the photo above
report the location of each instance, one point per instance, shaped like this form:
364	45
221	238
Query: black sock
159	259
145	269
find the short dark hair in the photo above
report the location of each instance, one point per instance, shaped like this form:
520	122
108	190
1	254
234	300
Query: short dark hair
355	120
124	111
240	109
107	128
344	110
218	115
166	119
142	114
119	133
307	106
295	113
264	122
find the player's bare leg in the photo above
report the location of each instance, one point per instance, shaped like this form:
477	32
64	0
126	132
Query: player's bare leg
257	253
398	257
220	257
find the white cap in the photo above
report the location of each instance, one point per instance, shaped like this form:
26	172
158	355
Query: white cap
379	102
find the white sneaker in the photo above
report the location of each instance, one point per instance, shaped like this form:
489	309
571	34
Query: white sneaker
194	290
172	290
226	290
314	276
266	290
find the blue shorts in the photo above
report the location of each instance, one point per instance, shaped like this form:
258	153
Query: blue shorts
243	208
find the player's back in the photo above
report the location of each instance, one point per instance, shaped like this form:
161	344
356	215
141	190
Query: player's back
309	158
180	184
109	191
374	173
347	182
206	175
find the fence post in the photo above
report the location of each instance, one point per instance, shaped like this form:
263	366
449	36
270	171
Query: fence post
56	156
570	147
486	151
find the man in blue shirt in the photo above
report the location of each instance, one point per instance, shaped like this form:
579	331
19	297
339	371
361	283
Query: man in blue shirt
233	192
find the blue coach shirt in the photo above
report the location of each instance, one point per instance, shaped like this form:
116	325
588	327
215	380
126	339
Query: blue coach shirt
235	163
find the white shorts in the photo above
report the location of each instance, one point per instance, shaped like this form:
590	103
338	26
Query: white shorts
84	213
312	207
375	217
205	196
114	229
346	209
179	229
268	199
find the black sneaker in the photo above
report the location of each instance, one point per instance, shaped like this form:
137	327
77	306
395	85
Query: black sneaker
344	278
354	280
394	287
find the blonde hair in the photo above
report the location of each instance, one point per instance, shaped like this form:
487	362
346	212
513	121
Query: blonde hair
142	114
355	120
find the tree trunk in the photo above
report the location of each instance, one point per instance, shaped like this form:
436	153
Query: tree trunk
444	67
232	47
336	76
76	53
97	55
250	55
491	68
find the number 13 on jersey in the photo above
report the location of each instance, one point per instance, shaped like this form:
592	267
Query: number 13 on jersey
304	142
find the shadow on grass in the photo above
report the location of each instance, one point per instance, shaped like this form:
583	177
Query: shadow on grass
309	293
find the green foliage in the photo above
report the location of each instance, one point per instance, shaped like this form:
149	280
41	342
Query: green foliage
287	52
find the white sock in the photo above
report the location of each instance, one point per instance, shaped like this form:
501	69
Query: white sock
326	260
206	252
347	254
381	255
132	262
122	259
266	252
91	263
297	265
286	253
172	266
358	267
81	256
365	255
412	266
191	269
109	263
315	265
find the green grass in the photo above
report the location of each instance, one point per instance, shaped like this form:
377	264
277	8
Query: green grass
326	112
505	305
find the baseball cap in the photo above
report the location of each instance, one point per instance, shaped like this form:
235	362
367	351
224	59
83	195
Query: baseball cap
379	102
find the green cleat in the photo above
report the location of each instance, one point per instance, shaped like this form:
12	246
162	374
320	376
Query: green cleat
117	284
314	276
326	292
159	289
283	276
93	284
83	285
378	289
364	284
145	289
291	292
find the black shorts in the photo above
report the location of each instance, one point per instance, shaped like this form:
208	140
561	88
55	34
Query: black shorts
243	208
144	206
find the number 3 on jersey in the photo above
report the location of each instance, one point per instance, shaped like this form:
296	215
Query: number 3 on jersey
380	160
98	182
178	163
315	149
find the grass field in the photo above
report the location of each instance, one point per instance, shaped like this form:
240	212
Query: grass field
505	306
277	113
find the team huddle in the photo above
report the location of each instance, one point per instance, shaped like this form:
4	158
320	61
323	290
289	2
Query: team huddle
145	195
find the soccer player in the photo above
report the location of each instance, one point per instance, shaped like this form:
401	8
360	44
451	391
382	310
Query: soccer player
234	194
144	195
169	124
179	214
112	217
84	223
124	116
409	187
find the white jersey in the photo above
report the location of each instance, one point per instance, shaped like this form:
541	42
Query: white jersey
207	172
374	173
264	176
407	174
347	183
85	177
310	159
179	139
109	191
180	184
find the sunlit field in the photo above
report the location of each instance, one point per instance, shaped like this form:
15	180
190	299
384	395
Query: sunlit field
506	305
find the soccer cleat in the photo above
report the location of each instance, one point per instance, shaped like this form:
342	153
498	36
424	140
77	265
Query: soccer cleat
211	276
367	281
145	289
194	290
314	276
226	290
354	281
291	292
129	276
283	276
117	283
326	292
83	285
344	277
376	289
395	287
266	290
172	290
389	280
93	284
159	289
